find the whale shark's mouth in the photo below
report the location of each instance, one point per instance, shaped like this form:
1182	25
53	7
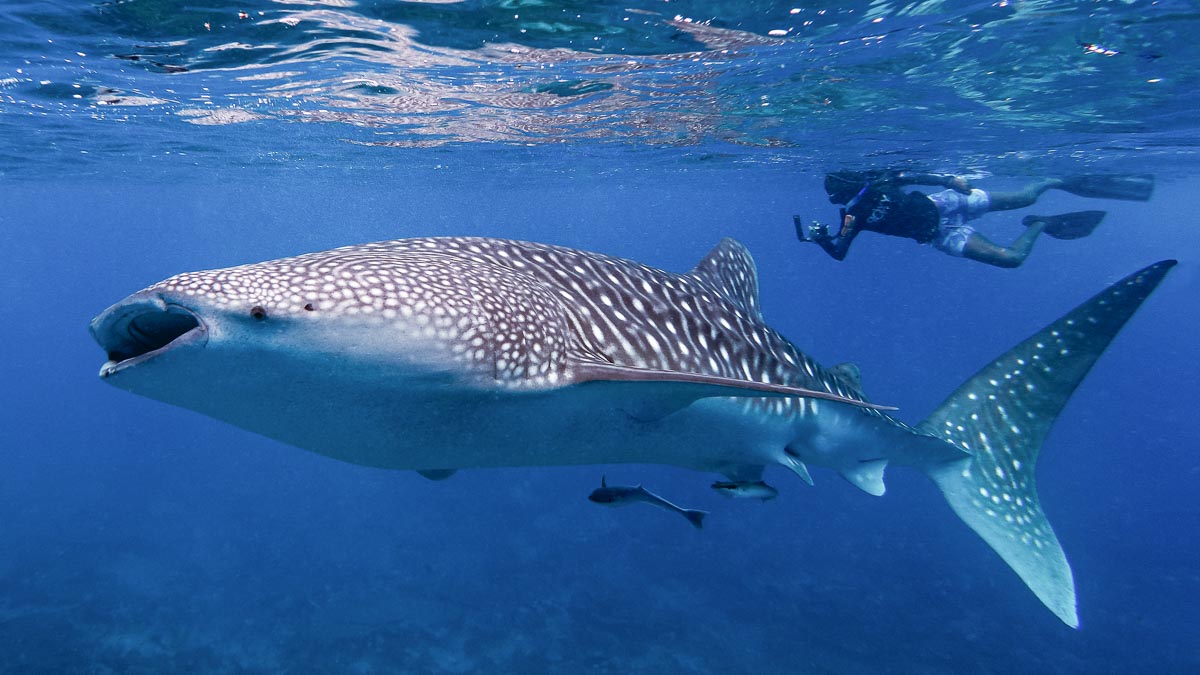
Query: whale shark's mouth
141	329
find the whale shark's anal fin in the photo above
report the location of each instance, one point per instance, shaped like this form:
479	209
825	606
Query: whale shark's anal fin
1001	416
868	476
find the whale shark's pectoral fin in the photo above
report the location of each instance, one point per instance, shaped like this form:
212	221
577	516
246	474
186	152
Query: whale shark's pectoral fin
653	394
437	474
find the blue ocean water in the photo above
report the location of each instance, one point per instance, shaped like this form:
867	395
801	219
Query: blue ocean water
142	138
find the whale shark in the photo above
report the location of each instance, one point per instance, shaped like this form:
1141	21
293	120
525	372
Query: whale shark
440	354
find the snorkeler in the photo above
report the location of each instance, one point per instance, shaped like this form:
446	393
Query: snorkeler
875	201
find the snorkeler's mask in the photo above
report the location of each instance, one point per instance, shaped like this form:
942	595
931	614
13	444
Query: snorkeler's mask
843	186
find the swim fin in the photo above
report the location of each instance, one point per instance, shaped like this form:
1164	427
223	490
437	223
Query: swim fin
1073	225
1130	187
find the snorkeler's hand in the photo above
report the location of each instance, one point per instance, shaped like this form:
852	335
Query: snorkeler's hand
960	184
811	232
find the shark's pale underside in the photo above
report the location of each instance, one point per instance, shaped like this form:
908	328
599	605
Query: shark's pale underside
447	353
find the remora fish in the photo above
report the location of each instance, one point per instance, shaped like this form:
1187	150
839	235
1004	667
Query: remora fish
746	490
624	495
445	353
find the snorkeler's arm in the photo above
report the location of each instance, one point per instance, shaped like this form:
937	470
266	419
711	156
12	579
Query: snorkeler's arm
818	233
837	246
957	183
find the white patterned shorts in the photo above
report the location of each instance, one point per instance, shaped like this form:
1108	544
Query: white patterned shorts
954	210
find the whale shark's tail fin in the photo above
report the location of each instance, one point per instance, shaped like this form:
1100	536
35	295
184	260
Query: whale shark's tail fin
1000	418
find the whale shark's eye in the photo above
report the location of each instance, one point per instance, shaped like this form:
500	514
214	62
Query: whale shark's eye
258	312
309	307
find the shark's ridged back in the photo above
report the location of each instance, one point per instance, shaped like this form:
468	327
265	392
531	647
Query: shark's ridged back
625	313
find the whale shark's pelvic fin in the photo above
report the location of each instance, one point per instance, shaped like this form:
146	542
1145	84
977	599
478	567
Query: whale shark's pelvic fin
1001	416
792	461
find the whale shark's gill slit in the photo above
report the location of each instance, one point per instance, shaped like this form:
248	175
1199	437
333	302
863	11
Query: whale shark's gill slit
152	331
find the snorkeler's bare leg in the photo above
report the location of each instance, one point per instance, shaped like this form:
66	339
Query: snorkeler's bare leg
979	247
1003	201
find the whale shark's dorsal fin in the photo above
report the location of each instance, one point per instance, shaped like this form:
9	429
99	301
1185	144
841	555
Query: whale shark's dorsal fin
730	268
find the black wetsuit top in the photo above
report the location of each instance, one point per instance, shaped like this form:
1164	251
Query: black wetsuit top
880	205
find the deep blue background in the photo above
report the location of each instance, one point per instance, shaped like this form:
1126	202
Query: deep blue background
140	538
